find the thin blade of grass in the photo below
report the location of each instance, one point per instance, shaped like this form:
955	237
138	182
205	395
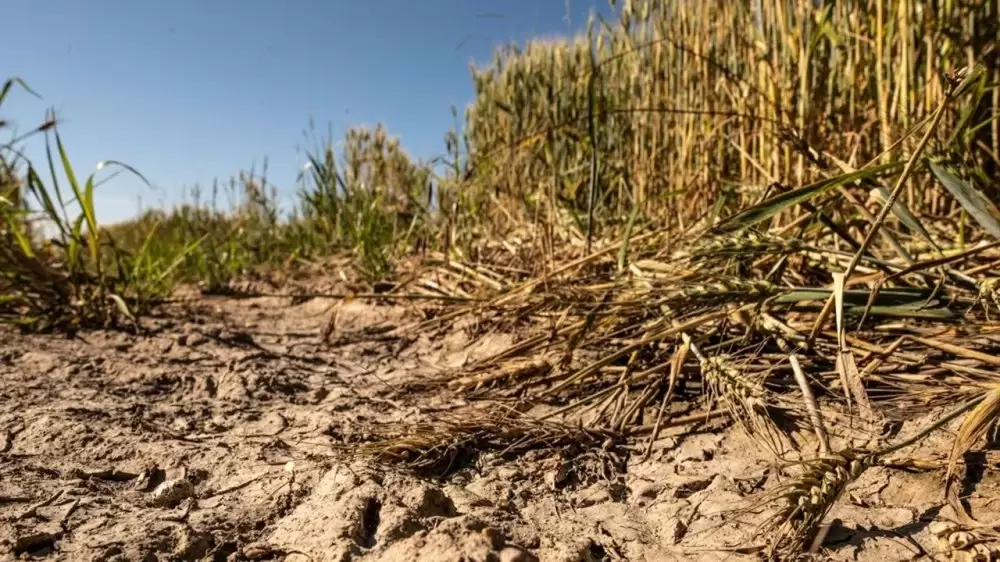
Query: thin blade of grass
978	206
179	259
86	198
773	206
903	213
623	252
9	84
36	186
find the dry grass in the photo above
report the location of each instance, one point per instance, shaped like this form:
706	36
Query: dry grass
882	326
448	444
776	215
702	109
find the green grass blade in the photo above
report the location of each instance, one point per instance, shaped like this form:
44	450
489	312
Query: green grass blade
23	242
974	203
11	216
903	213
128	168
85	197
623	251
912	312
9	84
55	181
88	203
73	261
142	254
985	123
38	188
978	89
179	259
885	297
783	201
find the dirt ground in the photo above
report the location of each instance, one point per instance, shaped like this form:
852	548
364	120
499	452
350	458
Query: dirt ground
220	437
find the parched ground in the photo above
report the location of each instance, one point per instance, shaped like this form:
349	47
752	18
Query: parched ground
227	435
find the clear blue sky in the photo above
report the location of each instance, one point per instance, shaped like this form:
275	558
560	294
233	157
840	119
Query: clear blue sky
191	90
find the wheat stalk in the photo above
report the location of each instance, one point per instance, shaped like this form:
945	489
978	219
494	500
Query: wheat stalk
810	496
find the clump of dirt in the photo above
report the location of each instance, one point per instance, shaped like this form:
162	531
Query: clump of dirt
227	434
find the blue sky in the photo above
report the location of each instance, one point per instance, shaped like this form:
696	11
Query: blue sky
188	91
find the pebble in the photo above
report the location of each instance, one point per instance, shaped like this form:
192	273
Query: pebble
556	478
509	474
191	339
42	536
494	536
643	492
483	488
515	554
172	492
694	454
593	495
676	529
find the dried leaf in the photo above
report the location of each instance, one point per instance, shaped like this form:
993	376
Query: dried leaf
847	368
972	430
122	307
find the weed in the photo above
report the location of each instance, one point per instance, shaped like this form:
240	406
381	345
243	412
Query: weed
78	278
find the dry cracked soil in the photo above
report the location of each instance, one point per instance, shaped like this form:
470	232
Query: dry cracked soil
226	434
